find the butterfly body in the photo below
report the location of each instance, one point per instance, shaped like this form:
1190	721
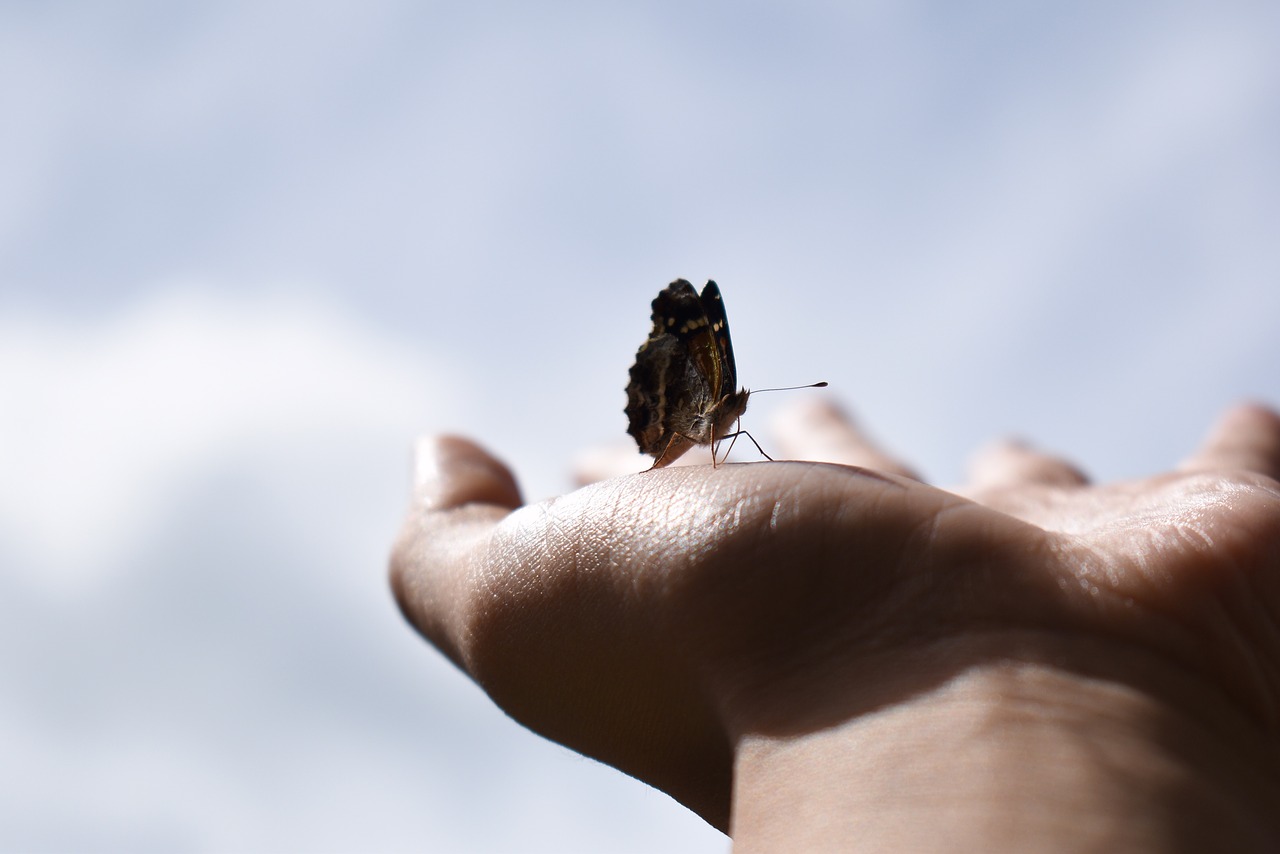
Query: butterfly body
683	389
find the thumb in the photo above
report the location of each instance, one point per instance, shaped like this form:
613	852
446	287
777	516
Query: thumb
461	492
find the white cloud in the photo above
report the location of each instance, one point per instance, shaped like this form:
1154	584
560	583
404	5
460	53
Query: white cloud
104	420
215	481
218	477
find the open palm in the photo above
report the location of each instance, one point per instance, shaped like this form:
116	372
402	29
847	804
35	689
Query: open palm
654	620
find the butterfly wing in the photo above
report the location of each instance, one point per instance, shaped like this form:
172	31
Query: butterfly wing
659	388
724	375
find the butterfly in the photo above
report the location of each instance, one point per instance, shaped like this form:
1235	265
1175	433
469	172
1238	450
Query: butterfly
683	390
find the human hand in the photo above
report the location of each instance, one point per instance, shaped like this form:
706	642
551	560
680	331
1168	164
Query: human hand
670	623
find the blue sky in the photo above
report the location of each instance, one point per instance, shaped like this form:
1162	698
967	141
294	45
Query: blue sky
249	250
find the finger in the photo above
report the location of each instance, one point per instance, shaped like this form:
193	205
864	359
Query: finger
461	492
819	430
604	462
450	471
1014	463
1246	437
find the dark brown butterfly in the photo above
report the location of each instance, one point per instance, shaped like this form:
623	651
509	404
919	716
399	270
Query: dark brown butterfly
683	390
684	384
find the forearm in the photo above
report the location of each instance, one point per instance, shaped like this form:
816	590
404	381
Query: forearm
1014	758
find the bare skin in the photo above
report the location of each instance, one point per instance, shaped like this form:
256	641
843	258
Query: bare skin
834	655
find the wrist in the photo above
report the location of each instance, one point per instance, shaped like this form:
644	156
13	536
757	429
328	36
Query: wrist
1006	757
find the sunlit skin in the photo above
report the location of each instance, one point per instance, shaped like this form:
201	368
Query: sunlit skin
829	655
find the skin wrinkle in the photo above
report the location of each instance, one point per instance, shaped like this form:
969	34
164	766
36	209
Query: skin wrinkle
663	540
1014	709
688	530
844	512
784	528
976	572
871	630
1188	633
616	542
450	626
615	547
1258	582
1180	633
1073	710
789	495
1217	621
1251	635
1187	641
1205	713
773	515
620	538
1243	635
749	505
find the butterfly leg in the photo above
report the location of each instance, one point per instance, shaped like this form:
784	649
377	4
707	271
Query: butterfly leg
734	436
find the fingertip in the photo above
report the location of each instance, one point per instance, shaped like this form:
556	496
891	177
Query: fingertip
1245	437
1013	461
451	471
1251	415
608	461
812	411
821	430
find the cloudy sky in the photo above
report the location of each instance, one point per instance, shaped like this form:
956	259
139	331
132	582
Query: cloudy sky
249	250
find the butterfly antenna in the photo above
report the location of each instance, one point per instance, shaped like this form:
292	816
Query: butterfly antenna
822	384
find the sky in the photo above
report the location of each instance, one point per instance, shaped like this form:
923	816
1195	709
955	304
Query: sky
250	250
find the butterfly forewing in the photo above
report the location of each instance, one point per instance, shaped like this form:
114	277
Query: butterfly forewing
725	381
